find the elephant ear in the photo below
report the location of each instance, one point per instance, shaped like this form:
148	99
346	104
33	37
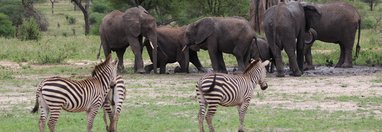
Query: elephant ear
131	19
204	29
311	14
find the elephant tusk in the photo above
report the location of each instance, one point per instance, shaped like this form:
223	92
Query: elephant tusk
184	48
143	39
151	44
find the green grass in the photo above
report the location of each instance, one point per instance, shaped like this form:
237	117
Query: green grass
152	117
360	100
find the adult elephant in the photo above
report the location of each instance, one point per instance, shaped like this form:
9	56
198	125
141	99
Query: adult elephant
338	24
171	40
119	30
284	24
231	35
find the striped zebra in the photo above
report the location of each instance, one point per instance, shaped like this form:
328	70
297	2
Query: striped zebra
114	98
215	89
57	93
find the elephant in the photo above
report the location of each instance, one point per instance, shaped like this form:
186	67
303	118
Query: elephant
231	35
338	24
257	9
171	40
285	25
119	30
260	49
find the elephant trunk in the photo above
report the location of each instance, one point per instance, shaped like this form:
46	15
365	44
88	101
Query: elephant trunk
310	37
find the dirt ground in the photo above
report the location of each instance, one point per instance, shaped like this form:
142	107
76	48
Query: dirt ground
320	89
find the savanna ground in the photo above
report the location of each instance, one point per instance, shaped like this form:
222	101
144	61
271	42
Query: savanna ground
326	99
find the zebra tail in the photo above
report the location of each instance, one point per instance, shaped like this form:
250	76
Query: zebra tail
34	110
212	85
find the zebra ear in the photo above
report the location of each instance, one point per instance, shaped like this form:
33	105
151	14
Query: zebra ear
265	63
115	62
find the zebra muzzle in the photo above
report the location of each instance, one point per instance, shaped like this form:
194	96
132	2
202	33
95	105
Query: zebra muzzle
264	86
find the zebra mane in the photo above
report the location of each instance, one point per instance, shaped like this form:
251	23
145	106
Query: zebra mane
103	64
250	66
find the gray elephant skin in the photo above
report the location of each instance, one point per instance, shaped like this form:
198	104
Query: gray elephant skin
119	30
260	49
171	40
338	24
285	26
231	35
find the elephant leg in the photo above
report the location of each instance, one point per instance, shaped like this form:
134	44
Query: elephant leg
342	56
137	50
106	50
120	54
195	61
183	60
278	61
221	62
214	60
348	49
240	58
291	52
308	58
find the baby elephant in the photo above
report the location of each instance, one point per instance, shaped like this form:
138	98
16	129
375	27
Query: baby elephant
261	50
171	40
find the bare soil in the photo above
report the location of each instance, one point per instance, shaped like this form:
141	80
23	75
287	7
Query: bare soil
318	89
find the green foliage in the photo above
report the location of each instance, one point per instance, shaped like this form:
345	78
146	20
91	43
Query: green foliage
71	20
30	30
367	23
6	28
101	6
13	9
95	21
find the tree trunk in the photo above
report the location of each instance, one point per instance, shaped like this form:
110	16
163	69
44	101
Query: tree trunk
85	11
371	5
52	1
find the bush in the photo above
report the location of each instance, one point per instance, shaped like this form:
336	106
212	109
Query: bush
95	21
6	28
71	20
367	23
30	30
100	6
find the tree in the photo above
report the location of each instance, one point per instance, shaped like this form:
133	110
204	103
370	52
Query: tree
85	11
372	3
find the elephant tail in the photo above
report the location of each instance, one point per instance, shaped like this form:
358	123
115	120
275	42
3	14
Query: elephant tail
99	51
358	48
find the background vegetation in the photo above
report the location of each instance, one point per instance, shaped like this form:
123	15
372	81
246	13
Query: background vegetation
66	28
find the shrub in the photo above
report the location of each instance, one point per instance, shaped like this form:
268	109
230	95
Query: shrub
6	28
71	20
30	30
367	23
95	21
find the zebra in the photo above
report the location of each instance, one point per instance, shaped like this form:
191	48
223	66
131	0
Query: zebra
57	93
114	98
215	89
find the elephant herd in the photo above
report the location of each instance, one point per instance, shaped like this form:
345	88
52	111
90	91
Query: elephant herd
291	26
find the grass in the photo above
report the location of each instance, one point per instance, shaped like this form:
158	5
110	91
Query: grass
153	117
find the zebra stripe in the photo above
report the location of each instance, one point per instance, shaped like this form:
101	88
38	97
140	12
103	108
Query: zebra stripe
215	89
57	93
114	98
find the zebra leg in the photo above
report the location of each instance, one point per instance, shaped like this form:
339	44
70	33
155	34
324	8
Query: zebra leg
201	115
91	113
114	121
242	109
210	114
54	114
44	111
107	111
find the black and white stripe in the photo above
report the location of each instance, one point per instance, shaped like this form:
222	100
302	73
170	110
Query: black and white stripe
215	89
57	93
113	103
